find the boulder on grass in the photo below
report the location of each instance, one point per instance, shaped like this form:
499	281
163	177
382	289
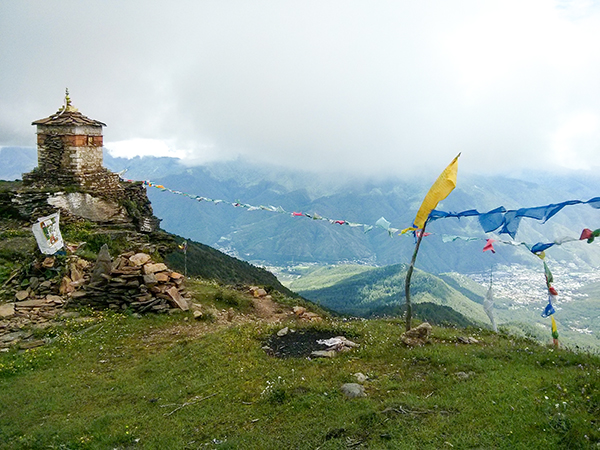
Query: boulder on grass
418	336
353	390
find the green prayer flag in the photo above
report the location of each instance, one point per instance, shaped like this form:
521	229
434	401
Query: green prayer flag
549	278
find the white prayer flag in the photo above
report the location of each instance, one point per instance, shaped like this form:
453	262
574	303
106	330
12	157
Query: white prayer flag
47	234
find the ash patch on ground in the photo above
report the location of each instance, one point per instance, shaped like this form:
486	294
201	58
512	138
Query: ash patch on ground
299	344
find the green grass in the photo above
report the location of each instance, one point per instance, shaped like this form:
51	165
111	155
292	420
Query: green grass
115	381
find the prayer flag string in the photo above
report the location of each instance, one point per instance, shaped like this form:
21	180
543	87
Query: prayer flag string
506	221
497	217
381	223
549	310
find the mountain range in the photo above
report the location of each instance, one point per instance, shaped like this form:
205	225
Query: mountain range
275	239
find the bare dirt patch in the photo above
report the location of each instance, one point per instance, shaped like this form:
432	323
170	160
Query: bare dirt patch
264	310
270	311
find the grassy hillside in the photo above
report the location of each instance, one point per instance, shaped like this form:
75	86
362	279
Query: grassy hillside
465	286
318	277
106	380
382	289
114	381
206	262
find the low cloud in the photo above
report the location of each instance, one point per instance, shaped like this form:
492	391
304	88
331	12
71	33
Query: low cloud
356	87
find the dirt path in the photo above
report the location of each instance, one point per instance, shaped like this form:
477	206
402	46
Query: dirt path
270	311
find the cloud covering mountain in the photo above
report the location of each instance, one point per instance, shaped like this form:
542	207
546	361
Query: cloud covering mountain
340	86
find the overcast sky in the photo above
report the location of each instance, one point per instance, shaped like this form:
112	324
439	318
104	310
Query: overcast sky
383	87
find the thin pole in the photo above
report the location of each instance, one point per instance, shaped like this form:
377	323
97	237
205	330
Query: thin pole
409	276
185	261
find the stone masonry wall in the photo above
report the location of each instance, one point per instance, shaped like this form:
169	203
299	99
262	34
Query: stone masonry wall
72	156
62	165
131	209
70	176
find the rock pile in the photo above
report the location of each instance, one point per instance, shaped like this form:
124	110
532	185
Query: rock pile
418	336
132	281
334	346
35	295
302	313
37	311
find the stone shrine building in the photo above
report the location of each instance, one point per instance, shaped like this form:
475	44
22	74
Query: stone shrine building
70	177
69	148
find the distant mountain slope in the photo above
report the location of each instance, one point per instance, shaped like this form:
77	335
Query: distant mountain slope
206	262
382	289
14	161
474	292
318	277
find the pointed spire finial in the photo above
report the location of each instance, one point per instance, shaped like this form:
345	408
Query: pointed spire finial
67	107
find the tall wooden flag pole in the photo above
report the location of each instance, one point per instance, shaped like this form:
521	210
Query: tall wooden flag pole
442	187
409	273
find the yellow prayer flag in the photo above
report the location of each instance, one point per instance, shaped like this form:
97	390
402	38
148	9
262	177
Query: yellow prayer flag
442	187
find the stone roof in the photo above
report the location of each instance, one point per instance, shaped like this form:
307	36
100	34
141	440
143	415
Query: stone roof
68	118
68	115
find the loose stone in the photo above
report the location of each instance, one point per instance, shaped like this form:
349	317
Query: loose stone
353	390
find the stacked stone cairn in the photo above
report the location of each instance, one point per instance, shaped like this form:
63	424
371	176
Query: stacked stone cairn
131	282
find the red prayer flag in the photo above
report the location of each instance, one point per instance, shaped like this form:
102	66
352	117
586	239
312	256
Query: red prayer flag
585	234
489	246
